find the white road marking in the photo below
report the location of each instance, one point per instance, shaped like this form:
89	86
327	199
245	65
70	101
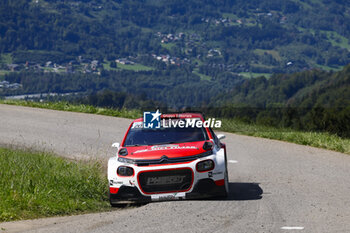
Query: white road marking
292	228
233	161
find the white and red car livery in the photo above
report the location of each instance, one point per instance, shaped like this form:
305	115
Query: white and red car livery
168	163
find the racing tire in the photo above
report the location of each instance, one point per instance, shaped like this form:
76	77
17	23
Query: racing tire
123	204
225	189
129	204
114	205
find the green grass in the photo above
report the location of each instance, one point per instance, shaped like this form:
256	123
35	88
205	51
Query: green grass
135	67
303	3
315	139
107	66
65	106
35	184
275	54
197	61
262	66
167	46
3	72
333	37
254	75
328	68
230	15
6	58
202	76
338	40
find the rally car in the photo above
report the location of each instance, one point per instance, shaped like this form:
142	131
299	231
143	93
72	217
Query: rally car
168	162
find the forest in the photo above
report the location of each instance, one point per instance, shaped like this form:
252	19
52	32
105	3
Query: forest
242	37
310	100
279	63
313	100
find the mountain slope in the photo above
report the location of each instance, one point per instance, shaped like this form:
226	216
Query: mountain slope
245	37
311	100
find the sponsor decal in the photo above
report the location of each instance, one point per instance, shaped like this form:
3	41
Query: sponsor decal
137	125
165	180
167	147
113	182
217	173
211	174
168	196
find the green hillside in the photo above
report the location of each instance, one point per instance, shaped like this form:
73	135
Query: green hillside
310	100
242	37
303	89
180	54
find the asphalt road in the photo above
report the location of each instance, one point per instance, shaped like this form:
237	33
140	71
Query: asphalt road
275	186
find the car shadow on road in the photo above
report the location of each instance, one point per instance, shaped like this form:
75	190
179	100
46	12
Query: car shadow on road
244	191
238	192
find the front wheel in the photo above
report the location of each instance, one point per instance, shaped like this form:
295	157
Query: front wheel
225	189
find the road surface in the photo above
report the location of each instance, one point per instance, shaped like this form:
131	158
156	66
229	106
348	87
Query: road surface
275	186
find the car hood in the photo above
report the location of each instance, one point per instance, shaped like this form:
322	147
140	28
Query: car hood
170	150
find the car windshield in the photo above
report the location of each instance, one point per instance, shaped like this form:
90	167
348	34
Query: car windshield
142	136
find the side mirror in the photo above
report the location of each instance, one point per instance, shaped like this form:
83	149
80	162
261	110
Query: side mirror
221	136
116	145
207	146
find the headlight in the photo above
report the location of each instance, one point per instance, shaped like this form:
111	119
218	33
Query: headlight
125	171
205	165
124	160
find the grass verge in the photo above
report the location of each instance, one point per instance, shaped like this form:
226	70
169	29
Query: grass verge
35	184
315	139
65	106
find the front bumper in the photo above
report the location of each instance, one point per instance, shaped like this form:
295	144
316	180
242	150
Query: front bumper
202	189
203	184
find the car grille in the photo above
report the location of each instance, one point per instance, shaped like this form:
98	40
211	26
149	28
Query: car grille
163	181
165	160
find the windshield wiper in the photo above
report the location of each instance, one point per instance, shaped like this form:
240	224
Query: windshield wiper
161	143
164	143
